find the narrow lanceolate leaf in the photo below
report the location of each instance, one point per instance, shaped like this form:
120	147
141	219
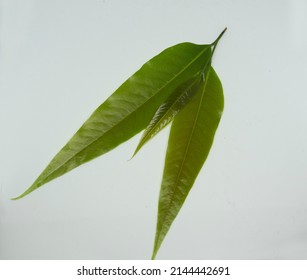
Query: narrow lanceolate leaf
190	140
129	109
169	109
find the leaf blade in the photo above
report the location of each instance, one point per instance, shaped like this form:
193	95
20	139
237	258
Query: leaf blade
168	110
117	119
188	148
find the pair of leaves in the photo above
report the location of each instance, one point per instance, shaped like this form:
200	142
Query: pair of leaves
178	84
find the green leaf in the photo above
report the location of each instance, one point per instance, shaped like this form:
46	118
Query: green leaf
169	109
190	140
129	109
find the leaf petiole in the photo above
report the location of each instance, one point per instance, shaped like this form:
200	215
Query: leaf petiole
214	44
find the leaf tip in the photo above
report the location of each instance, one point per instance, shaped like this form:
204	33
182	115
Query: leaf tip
154	253
135	152
20	196
157	244
17	197
29	190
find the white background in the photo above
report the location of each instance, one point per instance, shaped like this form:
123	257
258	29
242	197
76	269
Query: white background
61	59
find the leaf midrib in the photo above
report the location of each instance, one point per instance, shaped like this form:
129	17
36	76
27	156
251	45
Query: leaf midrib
155	94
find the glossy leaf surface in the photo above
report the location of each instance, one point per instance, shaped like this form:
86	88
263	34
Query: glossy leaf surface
190	140
129	109
169	109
